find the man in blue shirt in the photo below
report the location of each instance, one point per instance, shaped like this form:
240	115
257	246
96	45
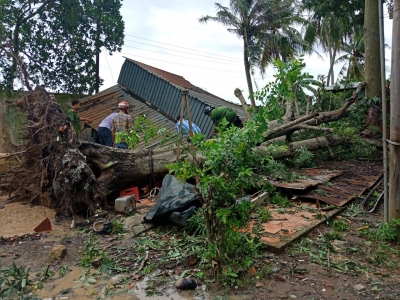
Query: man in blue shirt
185	127
104	130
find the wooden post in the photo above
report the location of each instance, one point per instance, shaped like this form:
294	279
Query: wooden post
178	150
394	143
185	94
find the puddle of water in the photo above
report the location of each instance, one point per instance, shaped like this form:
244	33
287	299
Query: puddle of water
54	287
18	219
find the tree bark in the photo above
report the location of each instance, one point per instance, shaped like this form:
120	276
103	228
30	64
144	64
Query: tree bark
313	119
372	49
117	169
247	70
372	61
239	95
394	144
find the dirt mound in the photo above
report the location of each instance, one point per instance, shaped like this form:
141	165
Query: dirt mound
53	173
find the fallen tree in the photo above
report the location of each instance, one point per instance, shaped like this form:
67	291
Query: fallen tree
53	172
116	169
312	120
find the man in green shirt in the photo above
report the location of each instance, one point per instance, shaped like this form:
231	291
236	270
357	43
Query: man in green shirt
220	112
75	119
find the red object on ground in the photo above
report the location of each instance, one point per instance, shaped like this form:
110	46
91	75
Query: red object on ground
45	225
158	184
131	191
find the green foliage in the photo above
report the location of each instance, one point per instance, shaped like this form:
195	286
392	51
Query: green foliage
340	225
197	224
302	158
263	214
290	85
143	129
14	282
279	200
222	179
85	280
64	269
385	232
55	42
91	251
118	227
265	28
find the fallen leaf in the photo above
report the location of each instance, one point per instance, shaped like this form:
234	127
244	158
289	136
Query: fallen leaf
137	277
132	285
192	260
259	284
252	271
279	278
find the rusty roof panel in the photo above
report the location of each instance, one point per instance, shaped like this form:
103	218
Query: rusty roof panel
315	177
99	106
342	192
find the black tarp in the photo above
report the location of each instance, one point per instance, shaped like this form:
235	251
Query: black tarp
176	202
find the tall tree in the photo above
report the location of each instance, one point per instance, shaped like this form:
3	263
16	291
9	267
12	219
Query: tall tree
332	23
372	49
352	58
263	25
50	42
108	23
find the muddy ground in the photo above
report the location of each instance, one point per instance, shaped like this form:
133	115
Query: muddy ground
341	259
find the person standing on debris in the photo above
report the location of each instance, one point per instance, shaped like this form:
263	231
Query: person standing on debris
75	119
121	123
104	130
221	112
186	127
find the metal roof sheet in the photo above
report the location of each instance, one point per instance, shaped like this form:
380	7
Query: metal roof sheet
99	106
163	90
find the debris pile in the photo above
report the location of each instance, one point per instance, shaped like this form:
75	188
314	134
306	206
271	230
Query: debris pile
53	172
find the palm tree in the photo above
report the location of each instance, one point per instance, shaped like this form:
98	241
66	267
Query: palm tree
331	24
352	59
264	26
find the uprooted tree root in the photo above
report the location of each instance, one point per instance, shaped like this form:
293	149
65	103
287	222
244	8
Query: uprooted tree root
53	172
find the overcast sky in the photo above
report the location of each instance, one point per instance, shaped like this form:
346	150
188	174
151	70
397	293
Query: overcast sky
166	34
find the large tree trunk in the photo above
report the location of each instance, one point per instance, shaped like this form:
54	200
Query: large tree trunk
372	62
394	145
117	169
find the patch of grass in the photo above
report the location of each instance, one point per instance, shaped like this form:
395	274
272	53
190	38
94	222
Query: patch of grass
14	283
262	214
280	200
340	225
384	232
353	210
118	227
320	192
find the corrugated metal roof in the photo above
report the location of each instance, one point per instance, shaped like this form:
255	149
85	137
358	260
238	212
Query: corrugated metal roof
99	106
163	90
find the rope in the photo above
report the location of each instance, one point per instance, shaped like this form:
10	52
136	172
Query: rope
151	168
